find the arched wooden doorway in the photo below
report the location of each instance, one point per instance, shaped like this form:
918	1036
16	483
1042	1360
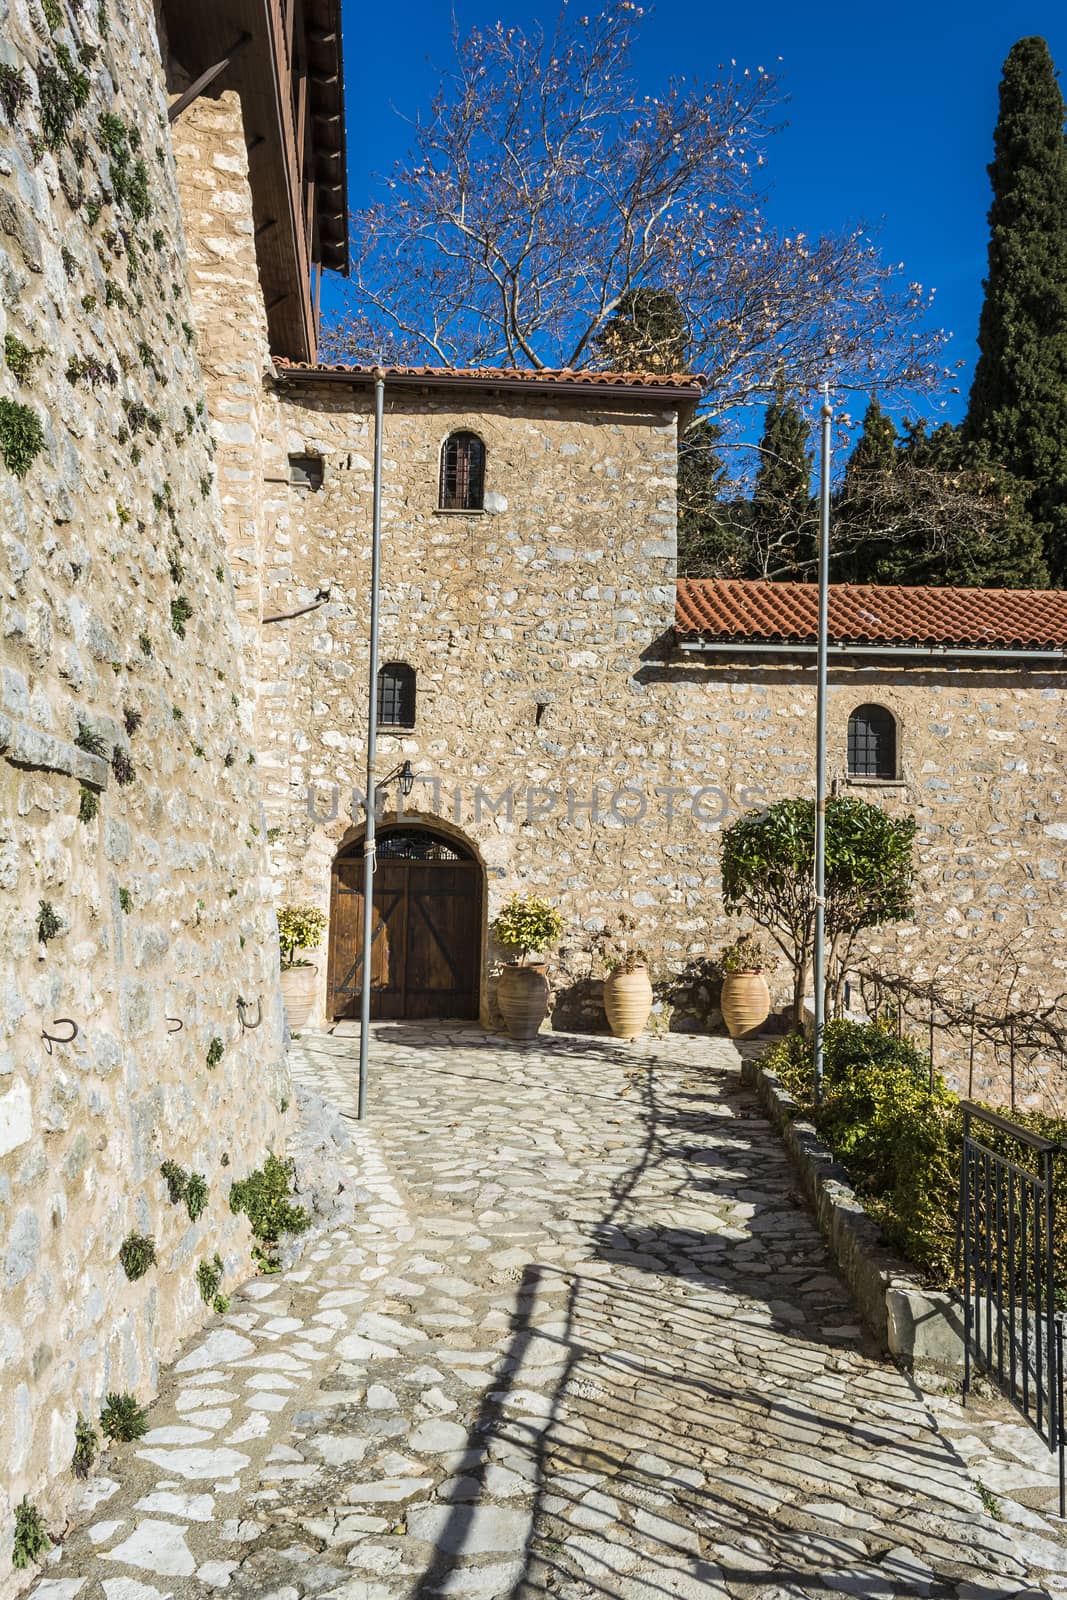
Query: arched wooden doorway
426	952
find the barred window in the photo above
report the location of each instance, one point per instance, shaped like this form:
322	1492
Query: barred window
396	695
462	473
872	743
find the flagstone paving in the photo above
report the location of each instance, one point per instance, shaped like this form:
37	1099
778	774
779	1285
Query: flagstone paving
572	1333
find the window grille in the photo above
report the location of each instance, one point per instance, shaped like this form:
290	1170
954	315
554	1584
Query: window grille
872	743
462	473
396	695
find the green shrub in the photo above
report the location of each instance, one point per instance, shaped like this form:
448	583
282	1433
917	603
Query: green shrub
122	1419
299	928
209	1275
180	612
86	1447
214	1052
900	1139
527	924
19	358
265	1198
31	1540
15	93
125	900
88	804
137	1253
21	436
195	1195
177	1181
48	923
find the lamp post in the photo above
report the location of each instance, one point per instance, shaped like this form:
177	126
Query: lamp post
819	962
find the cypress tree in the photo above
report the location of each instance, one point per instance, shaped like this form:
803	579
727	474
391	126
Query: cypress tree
1017	410
645	333
783	525
874	451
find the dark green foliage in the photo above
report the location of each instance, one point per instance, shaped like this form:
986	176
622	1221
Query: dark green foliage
91	370
21	437
122	1419
63	90
86	1447
48	923
103	24
781	527
180	612
14	91
174	565
1017	409
196	1192
31	1540
899	1140
214	1052
932	509
53	14
137	1253
113	295
145	642
209	1275
645	333
767	860
177	1181
129	177
131	720
88	804
265	1198
20	359
87	739
125	900
122	767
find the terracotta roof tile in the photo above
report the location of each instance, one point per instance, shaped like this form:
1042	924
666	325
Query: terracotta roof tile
734	611
534	377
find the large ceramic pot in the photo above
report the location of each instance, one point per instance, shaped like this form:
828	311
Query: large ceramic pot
627	1002
522	996
298	992
746	1003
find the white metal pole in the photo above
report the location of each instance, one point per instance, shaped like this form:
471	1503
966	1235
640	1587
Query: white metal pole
820	748
372	740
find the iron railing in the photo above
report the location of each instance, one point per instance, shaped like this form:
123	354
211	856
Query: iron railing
1006	1241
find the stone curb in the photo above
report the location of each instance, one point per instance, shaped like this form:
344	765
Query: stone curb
919	1326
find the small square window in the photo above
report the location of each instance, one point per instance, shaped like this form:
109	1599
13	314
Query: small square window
305	472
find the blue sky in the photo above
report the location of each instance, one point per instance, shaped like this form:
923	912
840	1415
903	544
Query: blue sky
890	115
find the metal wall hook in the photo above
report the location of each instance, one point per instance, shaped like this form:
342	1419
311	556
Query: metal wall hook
245	1005
178	1024
60	1038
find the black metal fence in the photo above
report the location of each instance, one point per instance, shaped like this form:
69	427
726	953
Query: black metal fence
1006	1244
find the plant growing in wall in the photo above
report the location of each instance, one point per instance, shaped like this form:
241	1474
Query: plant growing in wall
48	924
86	1447
125	900
209	1275
19	358
215	1052
90	741
122	1419
196	1192
122	767
180	612
768	871
88	804
137	1253
63	90
21	437
14	91
265	1197
31	1539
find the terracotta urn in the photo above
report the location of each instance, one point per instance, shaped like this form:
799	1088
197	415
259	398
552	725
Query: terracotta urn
745	1002
627	1002
522	996
298	991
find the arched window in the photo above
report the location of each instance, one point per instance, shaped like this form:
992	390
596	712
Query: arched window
396	695
872	743
462	473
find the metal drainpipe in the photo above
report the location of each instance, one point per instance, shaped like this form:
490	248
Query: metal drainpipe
819	962
372	740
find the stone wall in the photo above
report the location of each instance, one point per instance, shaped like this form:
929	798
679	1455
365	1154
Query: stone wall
539	633
133	868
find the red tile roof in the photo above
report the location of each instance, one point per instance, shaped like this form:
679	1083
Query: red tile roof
732	611
680	384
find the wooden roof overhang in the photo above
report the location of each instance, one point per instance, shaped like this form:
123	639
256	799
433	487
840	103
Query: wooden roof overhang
296	142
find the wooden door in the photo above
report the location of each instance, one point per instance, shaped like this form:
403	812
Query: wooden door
426	945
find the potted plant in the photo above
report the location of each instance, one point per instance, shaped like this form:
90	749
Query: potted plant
746	1000
526	925
299	928
627	987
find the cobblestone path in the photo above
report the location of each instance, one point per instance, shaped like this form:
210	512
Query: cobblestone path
579	1339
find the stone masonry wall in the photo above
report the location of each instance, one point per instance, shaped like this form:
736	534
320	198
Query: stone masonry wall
539	632
133	870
